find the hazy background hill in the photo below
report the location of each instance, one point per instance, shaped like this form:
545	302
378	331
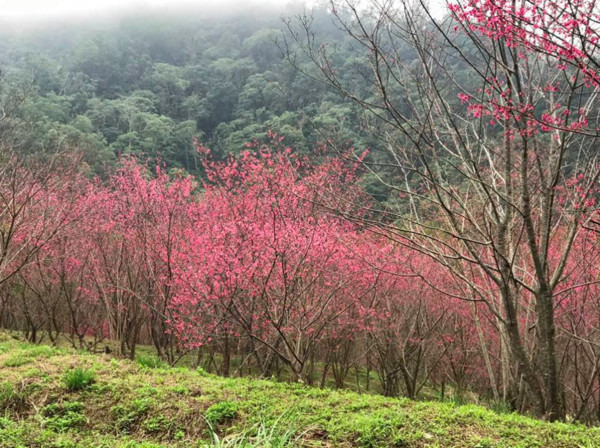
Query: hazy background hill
150	82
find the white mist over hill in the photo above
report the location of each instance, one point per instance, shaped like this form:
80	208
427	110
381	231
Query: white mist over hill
25	10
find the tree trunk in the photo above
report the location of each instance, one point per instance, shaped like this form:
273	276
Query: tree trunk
546	333
525	368
226	361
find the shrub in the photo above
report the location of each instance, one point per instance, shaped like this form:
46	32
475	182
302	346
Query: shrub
79	378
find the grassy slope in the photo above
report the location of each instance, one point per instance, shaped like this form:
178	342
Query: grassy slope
132	406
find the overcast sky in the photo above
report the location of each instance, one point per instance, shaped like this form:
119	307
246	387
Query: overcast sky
44	8
19	9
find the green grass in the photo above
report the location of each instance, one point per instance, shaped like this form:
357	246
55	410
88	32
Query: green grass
149	361
278	434
79	378
221	412
129	405
357	379
27	353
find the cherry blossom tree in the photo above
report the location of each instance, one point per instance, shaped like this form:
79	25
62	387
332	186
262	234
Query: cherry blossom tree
487	166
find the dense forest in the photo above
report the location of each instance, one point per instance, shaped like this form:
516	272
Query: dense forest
364	194
150	85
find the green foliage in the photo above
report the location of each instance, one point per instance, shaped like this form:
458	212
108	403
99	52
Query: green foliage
374	432
221	412
154	408
159	425
28	353
501	407
17	360
134	444
127	415
149	85
180	390
40	351
485	443
265	434
150	362
79	378
65	416
5	422
11	398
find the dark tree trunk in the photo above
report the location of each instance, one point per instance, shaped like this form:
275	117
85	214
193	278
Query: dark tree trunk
546	331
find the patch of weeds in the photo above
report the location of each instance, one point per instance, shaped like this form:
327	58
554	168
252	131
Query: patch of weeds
28	353
129	414
374	431
159	424
179	434
79	378
65	444
64	416
11	398
221	412
12	436
99	388
501	407
485	443
456	400
401	441
147	391
150	362
201	372
265	434
49	438
134	444
34	373
41	351
5	423
17	360
180	390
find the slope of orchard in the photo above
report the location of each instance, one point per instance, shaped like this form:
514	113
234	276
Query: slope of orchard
277	265
124	404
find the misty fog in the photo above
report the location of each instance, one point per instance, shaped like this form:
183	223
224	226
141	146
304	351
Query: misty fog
19	15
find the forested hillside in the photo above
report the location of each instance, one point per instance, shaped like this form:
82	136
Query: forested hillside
150	84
